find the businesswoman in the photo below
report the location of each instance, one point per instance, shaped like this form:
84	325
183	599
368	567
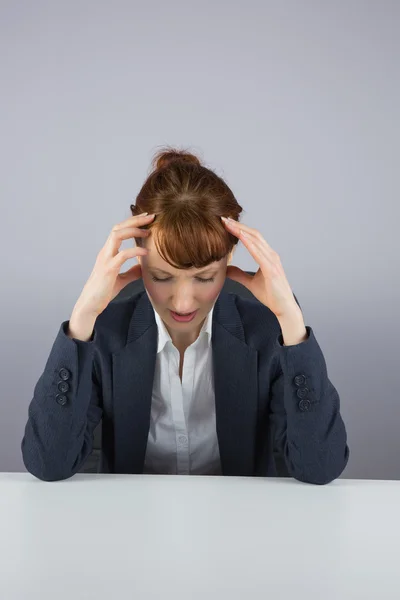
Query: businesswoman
186	378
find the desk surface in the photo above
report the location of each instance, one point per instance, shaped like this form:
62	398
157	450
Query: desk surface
120	537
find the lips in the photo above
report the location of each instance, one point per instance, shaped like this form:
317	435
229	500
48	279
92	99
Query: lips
183	318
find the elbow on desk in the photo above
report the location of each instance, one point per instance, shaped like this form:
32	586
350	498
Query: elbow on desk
324	474
42	476
47	474
41	469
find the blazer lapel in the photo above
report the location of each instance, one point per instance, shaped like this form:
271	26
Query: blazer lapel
236	391
133	374
235	384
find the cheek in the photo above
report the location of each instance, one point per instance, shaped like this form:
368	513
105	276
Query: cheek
155	290
211	292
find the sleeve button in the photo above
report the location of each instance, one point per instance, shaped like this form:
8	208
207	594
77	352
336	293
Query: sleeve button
304	405
299	380
61	399
64	374
63	386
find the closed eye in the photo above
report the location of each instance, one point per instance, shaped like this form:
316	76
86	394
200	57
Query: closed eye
198	278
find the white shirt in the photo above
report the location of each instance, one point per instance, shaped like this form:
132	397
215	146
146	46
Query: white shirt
182	437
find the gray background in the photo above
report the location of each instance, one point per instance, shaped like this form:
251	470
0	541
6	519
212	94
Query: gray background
295	104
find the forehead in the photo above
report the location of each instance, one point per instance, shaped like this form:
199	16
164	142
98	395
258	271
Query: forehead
154	262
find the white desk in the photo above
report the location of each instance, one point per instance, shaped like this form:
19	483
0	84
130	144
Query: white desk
120	537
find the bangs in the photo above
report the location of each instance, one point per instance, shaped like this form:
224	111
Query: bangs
190	242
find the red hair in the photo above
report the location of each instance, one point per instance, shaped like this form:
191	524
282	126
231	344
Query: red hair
188	200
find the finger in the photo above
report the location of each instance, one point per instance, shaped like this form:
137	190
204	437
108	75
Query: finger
255	237
236	227
117	236
140	219
126	254
128	276
131	274
252	248
262	247
261	254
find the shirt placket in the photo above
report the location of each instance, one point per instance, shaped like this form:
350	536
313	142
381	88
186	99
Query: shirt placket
178	392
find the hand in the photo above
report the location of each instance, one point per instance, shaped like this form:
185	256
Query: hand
269	285
105	281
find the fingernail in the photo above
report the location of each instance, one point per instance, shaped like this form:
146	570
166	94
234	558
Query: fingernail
143	214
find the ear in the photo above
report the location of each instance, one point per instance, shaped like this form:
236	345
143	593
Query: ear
230	256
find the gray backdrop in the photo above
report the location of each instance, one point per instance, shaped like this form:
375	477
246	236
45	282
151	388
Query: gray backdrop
295	103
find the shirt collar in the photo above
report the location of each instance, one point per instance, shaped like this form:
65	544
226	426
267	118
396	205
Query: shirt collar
164	336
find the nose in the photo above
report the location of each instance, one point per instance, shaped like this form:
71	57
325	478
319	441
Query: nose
183	310
183	307
182	299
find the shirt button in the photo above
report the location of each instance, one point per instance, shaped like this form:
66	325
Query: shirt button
182	439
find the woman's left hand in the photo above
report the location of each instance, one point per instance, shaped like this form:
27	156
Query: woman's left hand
269	285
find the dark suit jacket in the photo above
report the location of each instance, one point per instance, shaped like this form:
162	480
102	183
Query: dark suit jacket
277	413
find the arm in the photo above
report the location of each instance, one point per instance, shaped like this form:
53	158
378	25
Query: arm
305	412
59	432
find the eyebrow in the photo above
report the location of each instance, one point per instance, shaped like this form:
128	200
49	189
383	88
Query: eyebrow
198	273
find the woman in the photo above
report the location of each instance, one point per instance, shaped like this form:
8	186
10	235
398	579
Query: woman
186	379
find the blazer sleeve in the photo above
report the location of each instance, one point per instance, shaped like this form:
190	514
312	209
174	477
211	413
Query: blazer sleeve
308	430
65	410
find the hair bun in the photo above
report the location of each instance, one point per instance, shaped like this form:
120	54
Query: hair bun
166	157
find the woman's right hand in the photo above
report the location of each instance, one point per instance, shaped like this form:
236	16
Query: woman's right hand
105	281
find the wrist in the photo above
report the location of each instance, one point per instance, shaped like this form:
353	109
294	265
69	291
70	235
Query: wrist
80	311
81	325
293	328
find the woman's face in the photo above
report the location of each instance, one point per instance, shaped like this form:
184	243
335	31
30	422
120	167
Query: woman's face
181	291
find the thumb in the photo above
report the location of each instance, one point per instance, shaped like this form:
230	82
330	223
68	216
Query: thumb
130	275
238	275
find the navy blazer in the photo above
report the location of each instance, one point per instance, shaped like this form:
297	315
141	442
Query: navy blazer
277	412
